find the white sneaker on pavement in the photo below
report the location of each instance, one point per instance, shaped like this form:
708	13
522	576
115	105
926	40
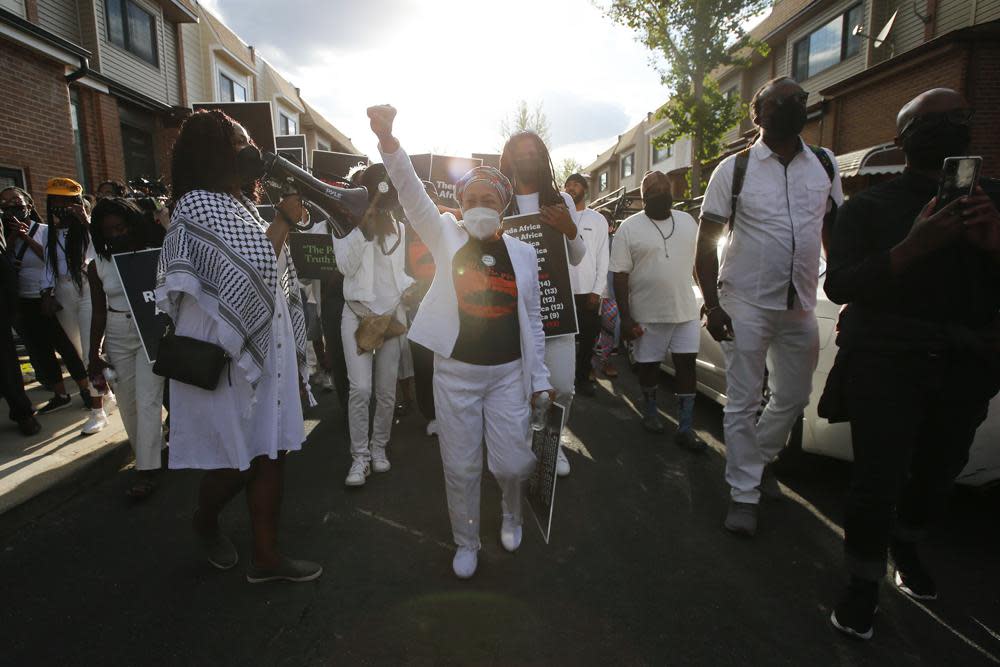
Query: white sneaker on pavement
358	473
465	562
380	462
432	428
562	463
510	533
96	423
110	403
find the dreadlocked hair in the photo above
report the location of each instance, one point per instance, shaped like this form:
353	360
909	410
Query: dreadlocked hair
548	190
77	242
127	210
203	156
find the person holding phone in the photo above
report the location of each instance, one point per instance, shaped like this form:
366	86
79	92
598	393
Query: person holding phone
919	356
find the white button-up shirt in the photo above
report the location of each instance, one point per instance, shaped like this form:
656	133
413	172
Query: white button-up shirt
590	276
777	233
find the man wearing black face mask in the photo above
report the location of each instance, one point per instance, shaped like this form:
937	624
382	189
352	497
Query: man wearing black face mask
774	197
652	258
919	355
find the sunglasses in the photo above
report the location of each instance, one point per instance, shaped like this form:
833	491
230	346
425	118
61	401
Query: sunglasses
954	117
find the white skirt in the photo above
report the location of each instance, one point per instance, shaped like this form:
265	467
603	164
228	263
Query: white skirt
213	429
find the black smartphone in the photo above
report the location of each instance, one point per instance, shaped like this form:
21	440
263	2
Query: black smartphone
959	176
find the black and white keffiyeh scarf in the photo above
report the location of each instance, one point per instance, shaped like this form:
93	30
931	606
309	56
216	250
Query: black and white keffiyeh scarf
216	251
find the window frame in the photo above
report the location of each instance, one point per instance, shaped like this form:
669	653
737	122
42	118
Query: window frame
286	123
668	152
630	160
225	79
845	44
604	180
127	44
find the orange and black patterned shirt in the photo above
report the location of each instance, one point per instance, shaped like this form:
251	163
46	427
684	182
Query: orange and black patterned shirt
489	333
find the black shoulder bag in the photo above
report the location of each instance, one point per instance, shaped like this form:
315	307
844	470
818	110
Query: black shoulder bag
191	361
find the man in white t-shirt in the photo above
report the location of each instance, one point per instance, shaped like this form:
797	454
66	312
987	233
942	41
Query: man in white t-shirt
589	279
652	258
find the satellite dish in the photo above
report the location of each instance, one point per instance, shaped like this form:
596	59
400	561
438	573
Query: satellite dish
884	33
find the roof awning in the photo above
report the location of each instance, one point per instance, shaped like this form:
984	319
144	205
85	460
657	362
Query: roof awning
881	159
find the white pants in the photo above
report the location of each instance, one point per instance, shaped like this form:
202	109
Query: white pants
385	361
473	402
787	341
139	390
560	359
75	316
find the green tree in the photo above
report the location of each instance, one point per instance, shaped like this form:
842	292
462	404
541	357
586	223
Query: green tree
565	168
694	38
524	118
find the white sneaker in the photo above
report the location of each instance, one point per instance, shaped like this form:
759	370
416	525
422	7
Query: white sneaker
96	423
562	463
359	471
465	562
380	462
432	428
510	533
110	403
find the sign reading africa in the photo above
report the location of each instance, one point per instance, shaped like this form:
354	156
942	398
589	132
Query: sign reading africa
558	306
312	255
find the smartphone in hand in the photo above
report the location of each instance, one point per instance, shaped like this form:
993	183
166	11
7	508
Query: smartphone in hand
959	176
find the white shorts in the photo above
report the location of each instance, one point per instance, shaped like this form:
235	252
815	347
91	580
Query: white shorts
662	337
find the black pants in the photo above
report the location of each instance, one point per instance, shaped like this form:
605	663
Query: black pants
589	322
332	308
43	336
11	380
913	419
423	377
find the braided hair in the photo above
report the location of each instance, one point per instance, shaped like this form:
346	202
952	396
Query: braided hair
548	189
77	242
203	156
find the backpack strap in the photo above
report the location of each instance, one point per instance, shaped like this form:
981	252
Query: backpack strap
739	175
824	159
19	255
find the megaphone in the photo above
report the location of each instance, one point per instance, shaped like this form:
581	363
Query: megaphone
345	205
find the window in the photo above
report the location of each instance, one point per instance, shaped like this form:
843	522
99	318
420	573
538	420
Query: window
628	165
661	154
230	90
286	125
603	181
74	117
826	46
322	145
132	28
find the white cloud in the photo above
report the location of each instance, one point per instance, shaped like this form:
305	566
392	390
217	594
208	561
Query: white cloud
455	68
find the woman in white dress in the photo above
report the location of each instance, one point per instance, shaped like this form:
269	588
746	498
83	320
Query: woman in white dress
225	278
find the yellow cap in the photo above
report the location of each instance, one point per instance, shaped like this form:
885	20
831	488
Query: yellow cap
65	187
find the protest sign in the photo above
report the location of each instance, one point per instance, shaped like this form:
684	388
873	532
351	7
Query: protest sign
137	272
328	164
291	141
542	484
255	117
558	306
446	171
312	255
295	155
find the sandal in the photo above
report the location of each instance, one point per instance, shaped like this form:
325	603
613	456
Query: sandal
143	488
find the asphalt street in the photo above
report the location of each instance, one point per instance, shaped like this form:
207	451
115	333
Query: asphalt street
639	570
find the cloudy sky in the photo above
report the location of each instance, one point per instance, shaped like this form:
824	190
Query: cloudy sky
455	68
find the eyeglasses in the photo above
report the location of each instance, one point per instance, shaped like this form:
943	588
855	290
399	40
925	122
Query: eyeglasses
955	117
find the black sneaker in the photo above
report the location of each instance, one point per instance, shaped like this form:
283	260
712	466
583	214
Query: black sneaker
29	426
910	576
57	403
689	441
855	614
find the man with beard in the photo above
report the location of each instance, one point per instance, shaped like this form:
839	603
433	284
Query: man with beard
589	279
774	197
919	356
652	259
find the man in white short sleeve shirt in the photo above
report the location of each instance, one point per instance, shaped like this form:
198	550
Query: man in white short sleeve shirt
652	258
760	304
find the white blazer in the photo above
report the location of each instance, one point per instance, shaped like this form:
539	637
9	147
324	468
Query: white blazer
356	260
436	326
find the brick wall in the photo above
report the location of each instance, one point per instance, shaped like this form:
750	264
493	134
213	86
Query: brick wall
984	95
102	137
867	116
36	134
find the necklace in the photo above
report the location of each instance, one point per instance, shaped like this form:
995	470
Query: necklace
673	225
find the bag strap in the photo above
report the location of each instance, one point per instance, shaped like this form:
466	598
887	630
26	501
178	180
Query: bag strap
19	255
824	159
739	175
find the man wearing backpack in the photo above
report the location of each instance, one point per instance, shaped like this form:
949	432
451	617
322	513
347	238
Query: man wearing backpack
772	198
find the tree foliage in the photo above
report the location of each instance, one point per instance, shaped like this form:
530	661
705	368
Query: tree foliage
524	118
693	38
565	168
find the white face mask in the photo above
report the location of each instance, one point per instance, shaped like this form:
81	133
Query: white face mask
481	222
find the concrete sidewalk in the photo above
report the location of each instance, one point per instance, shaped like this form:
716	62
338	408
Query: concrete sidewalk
31	466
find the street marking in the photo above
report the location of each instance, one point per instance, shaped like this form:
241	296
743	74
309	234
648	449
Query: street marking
399	526
955	632
980	624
